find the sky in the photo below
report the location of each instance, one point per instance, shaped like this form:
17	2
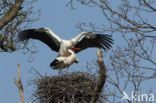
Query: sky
61	20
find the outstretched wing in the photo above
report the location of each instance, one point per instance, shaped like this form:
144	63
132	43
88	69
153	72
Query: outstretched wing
87	39
43	34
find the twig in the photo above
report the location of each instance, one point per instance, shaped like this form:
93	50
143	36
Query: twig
19	85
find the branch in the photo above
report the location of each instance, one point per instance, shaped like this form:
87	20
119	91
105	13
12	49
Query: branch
149	6
19	85
11	13
102	78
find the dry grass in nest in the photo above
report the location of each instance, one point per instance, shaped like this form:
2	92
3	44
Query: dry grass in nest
72	88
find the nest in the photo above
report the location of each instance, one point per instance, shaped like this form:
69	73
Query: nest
72	88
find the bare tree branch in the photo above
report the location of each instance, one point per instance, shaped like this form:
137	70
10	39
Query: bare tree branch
150	6
132	60
102	78
11	13
19	85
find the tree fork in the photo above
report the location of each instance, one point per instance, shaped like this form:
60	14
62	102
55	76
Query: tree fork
101	79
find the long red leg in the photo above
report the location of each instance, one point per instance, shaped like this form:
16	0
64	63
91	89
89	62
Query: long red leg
59	73
66	72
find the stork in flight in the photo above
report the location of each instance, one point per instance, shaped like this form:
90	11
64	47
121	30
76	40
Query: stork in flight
81	42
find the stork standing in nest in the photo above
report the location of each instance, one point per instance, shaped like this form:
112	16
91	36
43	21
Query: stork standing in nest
63	62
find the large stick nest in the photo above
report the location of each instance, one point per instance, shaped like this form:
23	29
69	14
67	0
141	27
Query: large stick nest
72	88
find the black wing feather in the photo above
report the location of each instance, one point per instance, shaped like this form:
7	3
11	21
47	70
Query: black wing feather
55	62
39	34
100	40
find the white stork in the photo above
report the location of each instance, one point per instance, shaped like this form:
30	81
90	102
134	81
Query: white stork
83	41
63	62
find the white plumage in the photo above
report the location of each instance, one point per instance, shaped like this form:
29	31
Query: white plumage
62	61
83	41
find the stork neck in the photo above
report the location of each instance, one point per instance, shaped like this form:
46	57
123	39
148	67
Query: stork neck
72	52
